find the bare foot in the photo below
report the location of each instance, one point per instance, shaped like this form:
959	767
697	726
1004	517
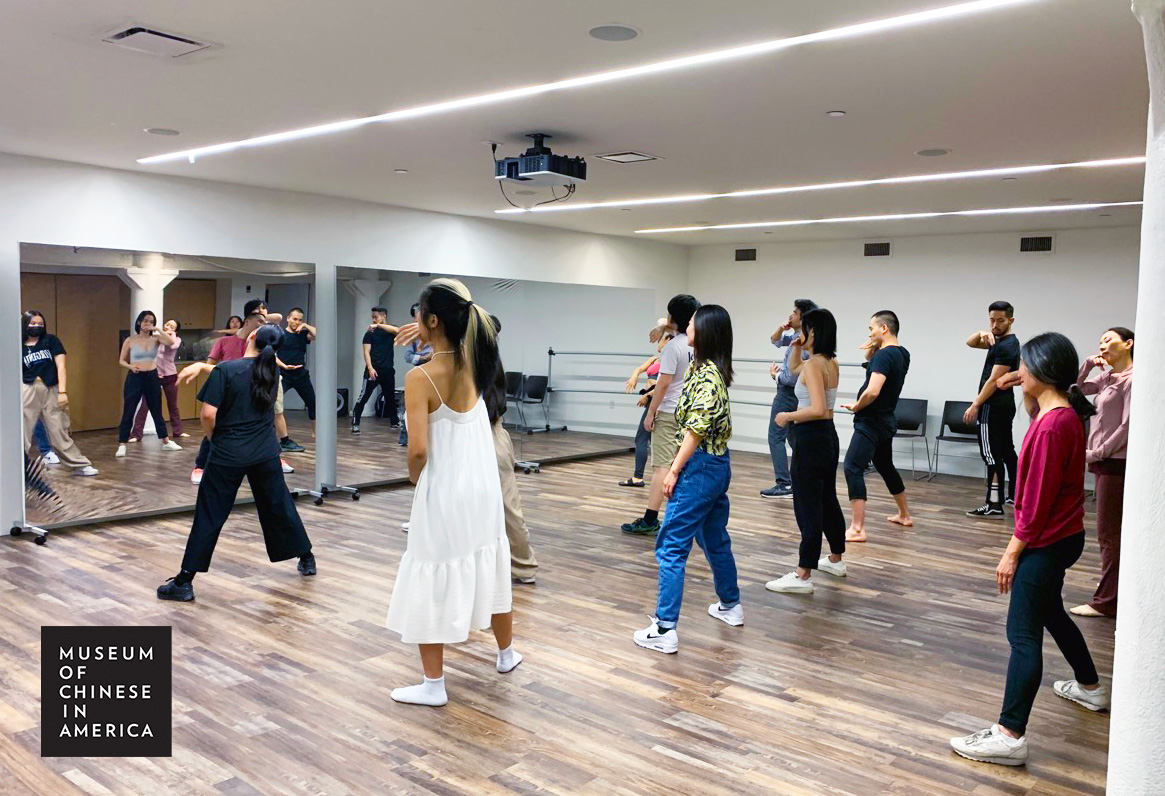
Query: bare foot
903	520
852	535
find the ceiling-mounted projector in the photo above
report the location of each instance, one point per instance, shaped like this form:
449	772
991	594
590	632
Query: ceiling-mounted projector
540	166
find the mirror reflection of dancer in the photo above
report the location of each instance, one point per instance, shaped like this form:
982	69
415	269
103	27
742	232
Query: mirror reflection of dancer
294	374
455	573
379	369
139	355
227	349
238	412
168	378
660	335
43	392
875	423
417	353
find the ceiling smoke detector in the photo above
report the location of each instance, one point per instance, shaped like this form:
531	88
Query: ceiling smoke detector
627	157
155	42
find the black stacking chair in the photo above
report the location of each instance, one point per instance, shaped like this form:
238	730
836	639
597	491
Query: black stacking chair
953	429
911	416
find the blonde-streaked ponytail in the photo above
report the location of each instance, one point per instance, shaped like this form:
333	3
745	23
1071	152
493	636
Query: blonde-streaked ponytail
467	326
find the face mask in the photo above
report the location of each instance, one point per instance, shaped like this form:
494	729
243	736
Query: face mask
36	331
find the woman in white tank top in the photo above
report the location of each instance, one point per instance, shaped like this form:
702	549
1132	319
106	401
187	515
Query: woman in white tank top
815	455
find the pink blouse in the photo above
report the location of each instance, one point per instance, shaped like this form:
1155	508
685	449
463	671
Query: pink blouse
166	354
1108	434
653	369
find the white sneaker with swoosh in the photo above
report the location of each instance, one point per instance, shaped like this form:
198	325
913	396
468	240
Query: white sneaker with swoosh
653	637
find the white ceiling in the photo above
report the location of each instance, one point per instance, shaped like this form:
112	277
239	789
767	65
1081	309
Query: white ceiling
1046	81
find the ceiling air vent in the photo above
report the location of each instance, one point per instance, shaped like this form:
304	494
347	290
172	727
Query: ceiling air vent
1035	243
745	255
627	157
877	249
155	42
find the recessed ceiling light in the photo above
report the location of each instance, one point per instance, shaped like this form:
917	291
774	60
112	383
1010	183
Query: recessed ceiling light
625	209
160	131
1106	215
400	171
614	33
835	114
1061	200
683	62
828	186
1010	179
801	222
932	153
525	193
627	157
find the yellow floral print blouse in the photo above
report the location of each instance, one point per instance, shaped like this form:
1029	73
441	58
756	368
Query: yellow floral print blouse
703	408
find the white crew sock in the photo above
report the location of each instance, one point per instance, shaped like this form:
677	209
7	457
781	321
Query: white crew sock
1007	739
431	693
508	659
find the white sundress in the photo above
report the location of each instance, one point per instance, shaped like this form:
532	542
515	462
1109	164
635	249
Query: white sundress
455	572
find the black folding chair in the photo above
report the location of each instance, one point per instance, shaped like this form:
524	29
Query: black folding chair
911	416
534	392
953	429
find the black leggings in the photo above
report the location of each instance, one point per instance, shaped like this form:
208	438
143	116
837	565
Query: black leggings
139	385
872	440
642	443
814	471
300	381
1036	604
997	447
283	530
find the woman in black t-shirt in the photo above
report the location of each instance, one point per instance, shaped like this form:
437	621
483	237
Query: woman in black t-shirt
44	392
238	403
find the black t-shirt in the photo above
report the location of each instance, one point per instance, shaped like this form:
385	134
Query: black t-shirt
1004	352
892	362
38	360
294	348
243	434
381	353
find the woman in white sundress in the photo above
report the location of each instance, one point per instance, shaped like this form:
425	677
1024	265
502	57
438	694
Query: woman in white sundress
455	574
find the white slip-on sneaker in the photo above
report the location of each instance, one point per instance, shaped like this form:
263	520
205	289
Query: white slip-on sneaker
1096	699
992	746
51	458
730	616
287	468
830	568
87	470
171	445
404	526
653	638
790	584
120	454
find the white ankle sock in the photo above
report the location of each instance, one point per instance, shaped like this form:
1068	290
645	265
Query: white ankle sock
431	693
508	659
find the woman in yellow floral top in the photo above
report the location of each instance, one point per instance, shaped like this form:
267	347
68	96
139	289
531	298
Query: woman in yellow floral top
697	484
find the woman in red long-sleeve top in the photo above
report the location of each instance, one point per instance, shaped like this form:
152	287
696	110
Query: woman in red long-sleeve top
1108	439
1049	538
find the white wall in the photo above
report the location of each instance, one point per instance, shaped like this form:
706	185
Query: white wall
940	287
47	201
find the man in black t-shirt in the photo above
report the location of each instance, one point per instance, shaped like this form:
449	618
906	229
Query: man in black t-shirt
295	376
994	409
379	370
875	423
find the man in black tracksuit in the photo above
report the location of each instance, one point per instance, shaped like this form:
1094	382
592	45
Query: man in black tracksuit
993	409
379	370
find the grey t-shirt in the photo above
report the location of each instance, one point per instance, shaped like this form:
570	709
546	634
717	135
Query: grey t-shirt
674	361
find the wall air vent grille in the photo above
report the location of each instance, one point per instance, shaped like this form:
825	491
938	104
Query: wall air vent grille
745	255
1035	243
881	249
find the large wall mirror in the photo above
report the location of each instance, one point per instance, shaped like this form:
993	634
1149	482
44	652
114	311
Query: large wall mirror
85	462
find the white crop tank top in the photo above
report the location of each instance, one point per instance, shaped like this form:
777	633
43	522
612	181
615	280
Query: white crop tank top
802	393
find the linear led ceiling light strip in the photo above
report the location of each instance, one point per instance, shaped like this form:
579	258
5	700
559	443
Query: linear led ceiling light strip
760	48
801	222
830	186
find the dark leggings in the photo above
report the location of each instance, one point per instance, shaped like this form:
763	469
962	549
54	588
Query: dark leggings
872	441
283	530
814	471
300	381
387	384
642	444
1036	604
139	385
997	447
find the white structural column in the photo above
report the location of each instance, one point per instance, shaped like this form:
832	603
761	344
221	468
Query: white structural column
325	375
1136	749
369	293
147	279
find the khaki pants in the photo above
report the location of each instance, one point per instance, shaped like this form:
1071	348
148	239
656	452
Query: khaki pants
522	561
40	403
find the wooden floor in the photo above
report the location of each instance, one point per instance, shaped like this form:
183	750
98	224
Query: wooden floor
281	684
150	479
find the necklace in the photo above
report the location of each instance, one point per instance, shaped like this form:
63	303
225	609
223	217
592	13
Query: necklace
435	353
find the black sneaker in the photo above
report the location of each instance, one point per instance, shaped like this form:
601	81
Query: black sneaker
777	491
170	590
639	527
1009	501
291	446
306	565
986	511
355	428
395	424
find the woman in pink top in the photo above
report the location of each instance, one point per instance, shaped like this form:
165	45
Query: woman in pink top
1108	438
168	374
1049	538
659	335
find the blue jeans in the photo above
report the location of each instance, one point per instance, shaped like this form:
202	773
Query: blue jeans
785	401
41	436
697	510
